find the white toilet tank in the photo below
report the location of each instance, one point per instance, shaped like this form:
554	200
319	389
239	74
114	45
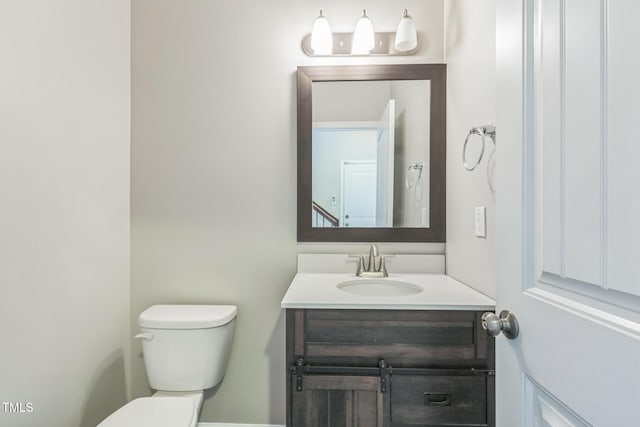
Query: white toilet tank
186	347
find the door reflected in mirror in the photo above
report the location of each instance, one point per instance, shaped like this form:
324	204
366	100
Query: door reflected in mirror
370	151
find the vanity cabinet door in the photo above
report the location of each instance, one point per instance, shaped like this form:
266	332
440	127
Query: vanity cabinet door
339	401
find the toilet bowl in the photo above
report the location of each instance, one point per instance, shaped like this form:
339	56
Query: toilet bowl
154	412
186	349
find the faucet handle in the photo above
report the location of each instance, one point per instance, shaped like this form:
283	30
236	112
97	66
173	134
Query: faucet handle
383	265
360	264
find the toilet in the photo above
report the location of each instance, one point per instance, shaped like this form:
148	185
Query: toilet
186	349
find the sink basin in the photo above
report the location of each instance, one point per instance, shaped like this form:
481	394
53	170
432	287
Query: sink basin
379	287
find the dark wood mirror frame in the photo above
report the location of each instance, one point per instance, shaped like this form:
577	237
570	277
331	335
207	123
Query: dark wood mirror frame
436	73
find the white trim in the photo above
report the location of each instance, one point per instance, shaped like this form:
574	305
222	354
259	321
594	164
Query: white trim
563	138
591	294
604	140
603	318
528	147
347	125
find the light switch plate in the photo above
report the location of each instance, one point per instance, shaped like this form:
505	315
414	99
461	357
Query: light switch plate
481	221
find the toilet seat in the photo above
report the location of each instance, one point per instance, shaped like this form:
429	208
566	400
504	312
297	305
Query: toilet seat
154	412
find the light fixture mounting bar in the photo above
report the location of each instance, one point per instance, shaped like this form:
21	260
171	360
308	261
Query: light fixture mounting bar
384	45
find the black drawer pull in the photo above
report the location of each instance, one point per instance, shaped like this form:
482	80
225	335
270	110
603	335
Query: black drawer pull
437	399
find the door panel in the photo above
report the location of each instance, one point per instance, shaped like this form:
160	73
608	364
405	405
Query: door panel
358	194
567	184
570	125
545	411
579	134
623	150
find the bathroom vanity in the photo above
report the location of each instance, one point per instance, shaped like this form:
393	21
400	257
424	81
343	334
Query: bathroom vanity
407	350
404	350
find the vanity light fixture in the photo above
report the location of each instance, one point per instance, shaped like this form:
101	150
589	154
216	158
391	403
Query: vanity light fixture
406	35
321	38
363	36
363	41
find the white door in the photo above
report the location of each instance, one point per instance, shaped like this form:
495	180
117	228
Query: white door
386	147
568	212
358	194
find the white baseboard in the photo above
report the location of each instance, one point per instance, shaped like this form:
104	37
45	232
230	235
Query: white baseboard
237	425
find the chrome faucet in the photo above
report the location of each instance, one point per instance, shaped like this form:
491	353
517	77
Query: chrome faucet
371	269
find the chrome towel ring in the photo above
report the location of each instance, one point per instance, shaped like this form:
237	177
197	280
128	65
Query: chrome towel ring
483	132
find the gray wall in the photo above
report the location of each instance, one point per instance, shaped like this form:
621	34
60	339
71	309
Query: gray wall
412	142
349	101
471	86
214	170
64	233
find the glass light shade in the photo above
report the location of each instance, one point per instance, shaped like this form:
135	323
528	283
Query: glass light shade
321	38
363	37
406	35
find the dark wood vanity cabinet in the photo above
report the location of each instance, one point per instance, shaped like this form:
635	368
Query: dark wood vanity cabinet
388	368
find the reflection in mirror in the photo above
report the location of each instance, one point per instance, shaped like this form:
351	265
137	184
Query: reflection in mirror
370	151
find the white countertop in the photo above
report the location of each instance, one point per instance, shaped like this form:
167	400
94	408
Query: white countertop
440	292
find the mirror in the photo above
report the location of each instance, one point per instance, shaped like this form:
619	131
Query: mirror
371	153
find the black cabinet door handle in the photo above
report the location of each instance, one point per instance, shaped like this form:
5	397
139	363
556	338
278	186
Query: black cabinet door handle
437	399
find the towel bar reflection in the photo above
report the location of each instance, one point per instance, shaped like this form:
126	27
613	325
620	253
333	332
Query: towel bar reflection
482	132
411	170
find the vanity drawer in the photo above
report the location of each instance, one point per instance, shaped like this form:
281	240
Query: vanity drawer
449	399
435	339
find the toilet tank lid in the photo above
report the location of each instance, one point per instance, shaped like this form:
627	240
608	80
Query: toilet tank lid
187	316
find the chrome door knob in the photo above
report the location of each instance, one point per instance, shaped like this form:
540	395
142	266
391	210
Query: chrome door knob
506	324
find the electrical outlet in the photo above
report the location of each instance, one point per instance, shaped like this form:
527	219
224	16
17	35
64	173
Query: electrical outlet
481	221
